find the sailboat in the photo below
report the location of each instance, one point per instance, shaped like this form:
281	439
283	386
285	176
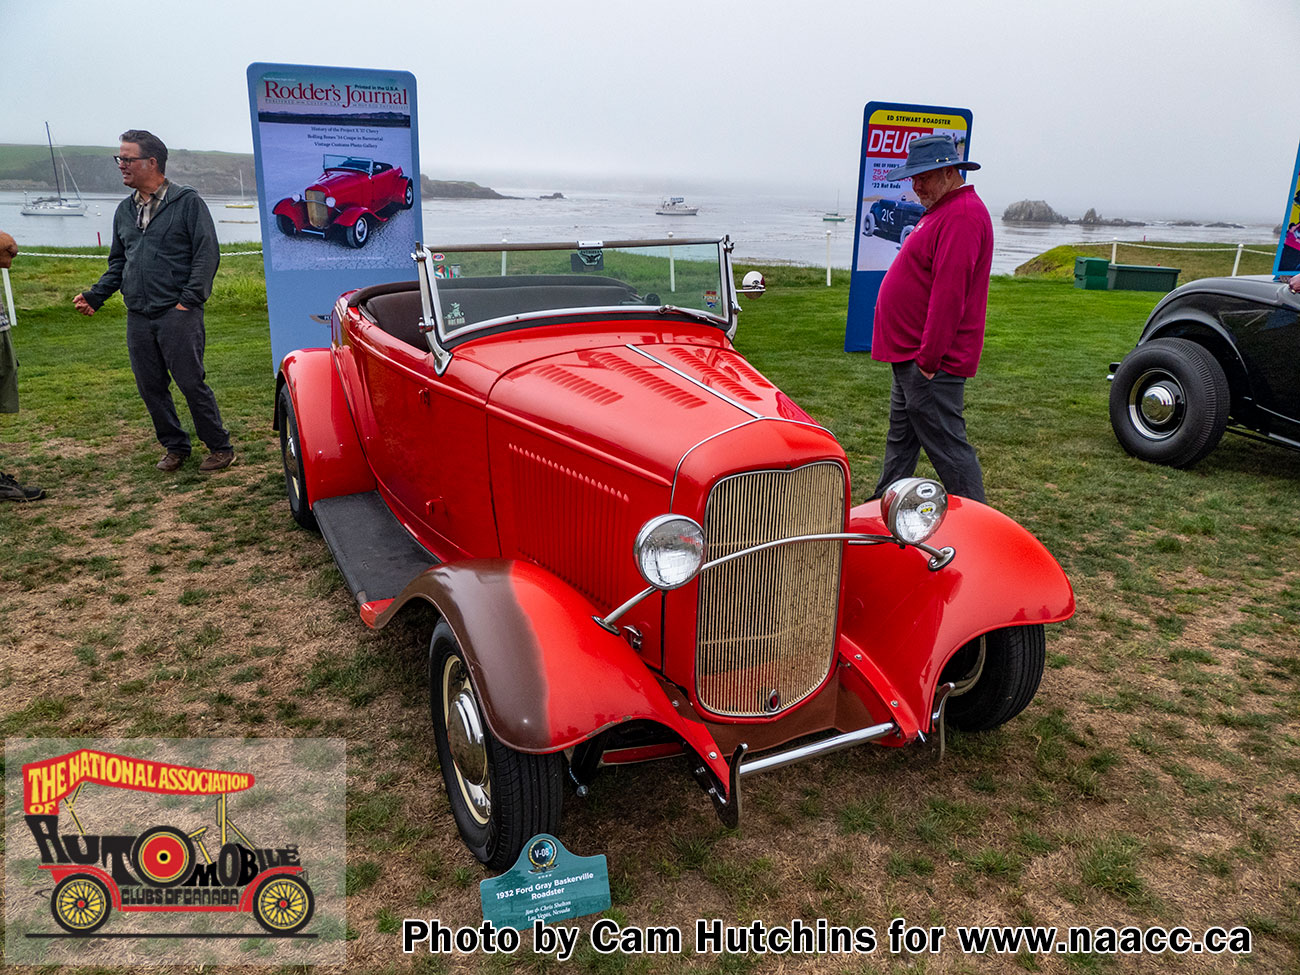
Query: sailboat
242	204
57	205
834	216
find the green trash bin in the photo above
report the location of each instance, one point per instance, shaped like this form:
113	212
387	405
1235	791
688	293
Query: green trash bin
1090	273
1139	277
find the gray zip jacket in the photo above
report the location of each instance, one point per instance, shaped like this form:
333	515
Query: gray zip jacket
173	260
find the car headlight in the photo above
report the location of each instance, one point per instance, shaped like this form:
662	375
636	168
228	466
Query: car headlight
913	508
295	197
329	202
669	551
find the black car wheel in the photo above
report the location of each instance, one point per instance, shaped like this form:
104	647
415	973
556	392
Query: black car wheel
907	232
500	798
1169	402
997	675
868	224
408	198
80	903
359	232
287	226
295	478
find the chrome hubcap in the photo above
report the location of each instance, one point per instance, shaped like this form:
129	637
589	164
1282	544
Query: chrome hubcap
1156	405
291	461
466	740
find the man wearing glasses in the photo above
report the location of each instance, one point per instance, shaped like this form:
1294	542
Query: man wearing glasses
163	258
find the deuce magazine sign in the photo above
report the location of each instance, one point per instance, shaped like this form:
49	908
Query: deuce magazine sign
888	210
337	155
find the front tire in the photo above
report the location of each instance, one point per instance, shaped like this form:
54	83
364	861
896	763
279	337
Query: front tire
997	675
295	477
500	798
1169	402
359	232
80	903
287	226
907	232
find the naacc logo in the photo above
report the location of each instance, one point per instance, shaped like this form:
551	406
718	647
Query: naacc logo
164	868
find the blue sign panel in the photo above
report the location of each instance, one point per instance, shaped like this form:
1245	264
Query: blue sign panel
338	185
547	884
1287	261
888	210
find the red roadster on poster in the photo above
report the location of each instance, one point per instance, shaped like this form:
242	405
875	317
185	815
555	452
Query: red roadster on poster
351	195
636	546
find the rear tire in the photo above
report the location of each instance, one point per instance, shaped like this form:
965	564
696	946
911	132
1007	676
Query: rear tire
868	224
295	477
500	798
1008	680
1169	402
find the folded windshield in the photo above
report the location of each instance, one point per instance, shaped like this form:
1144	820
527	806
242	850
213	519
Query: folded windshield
484	284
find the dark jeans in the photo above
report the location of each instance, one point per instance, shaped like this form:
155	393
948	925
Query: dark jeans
928	413
168	348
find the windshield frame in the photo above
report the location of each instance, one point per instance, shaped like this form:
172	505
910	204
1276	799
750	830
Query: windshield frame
443	340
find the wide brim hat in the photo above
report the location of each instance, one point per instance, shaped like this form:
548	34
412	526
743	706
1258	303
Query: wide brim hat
927	153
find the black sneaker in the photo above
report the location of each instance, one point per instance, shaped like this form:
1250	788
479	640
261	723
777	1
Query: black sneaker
11	490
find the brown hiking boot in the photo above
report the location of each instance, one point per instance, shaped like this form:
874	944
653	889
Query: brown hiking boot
171	462
218	460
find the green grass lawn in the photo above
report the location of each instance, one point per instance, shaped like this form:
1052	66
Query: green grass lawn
1154	780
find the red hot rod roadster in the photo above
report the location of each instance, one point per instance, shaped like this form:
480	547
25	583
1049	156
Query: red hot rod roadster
351	194
635	544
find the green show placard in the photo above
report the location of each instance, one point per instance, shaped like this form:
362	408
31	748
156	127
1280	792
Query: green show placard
548	884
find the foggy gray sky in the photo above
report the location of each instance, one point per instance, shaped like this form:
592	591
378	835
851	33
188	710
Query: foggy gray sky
1153	108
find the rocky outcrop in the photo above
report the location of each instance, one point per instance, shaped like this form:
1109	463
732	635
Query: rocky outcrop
1093	219
1032	211
457	189
552	196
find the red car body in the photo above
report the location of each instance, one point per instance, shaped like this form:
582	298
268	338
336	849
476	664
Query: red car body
523	454
350	192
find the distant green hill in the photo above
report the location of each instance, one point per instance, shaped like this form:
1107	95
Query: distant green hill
25	167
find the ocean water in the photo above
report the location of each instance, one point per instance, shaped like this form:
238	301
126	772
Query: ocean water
765	228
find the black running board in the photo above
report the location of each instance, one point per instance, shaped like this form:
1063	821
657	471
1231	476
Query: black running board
376	555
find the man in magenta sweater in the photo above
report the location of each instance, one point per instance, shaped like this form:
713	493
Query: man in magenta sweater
930	320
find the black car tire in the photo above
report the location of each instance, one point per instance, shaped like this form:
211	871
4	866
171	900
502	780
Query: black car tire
80	903
1003	686
295	477
1169	402
906	232
500	798
408	197
287	226
359	232
283	903
869	224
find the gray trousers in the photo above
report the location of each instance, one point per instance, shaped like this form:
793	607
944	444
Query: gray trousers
928	413
169	348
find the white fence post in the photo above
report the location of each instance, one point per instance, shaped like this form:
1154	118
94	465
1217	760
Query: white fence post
503	259
1237	263
1114	246
828	258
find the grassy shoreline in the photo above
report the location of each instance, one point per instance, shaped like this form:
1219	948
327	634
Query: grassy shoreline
1155	779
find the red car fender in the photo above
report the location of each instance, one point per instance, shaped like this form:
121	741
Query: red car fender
332	459
61	871
297	212
910	621
354	213
548	676
246	898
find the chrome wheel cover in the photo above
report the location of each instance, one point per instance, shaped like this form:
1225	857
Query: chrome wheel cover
466	740
1156	405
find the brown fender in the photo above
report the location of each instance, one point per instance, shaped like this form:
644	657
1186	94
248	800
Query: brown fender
547	674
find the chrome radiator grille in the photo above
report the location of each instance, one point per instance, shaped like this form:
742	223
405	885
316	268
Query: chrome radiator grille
766	630
318	214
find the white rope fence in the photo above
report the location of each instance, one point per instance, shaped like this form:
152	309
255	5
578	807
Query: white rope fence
1240	249
100	257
